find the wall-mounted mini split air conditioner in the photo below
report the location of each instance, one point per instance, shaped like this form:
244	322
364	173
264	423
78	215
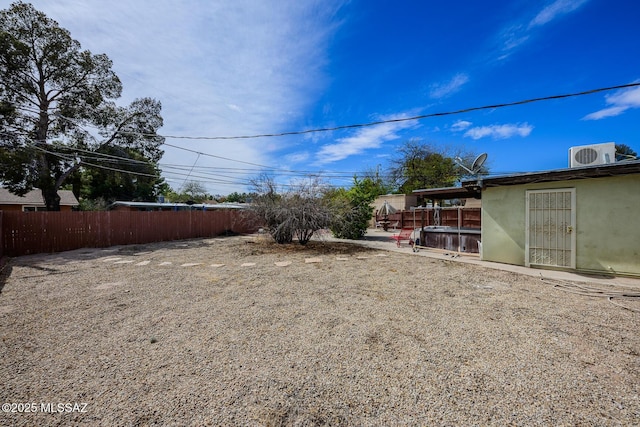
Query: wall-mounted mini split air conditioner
591	155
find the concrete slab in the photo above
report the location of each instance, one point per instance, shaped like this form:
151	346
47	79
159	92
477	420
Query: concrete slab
379	239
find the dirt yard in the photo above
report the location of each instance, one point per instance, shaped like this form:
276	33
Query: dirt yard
234	331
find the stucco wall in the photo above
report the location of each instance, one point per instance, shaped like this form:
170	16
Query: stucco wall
398	201
607	223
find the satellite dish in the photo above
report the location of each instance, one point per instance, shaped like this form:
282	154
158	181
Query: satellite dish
476	166
478	162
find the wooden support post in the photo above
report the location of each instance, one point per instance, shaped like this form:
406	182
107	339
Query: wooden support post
422	233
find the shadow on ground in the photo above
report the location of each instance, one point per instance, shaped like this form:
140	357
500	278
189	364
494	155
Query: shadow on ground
5	272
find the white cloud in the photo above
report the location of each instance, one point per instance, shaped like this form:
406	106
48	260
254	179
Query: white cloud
513	37
450	87
619	103
605	112
519	32
554	10
365	139
460	125
499	131
229	67
299	157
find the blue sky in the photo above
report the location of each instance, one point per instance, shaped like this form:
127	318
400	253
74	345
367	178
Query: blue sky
251	67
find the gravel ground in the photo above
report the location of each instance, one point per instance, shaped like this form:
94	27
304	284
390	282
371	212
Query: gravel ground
235	331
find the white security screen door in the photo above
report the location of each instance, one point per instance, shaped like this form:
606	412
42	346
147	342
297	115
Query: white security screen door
550	237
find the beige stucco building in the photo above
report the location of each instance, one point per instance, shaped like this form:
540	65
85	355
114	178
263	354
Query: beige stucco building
585	219
397	201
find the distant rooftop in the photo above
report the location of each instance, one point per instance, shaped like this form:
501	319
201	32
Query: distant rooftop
181	206
34	198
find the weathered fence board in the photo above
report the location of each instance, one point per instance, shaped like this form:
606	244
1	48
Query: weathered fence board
453	217
1	245
23	233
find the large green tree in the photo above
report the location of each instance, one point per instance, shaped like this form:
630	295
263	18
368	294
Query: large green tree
418	165
57	109
124	174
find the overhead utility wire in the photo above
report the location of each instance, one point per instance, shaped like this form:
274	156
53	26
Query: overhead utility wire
190	171
117	159
71	159
72	121
403	119
82	162
588	92
167	167
211	155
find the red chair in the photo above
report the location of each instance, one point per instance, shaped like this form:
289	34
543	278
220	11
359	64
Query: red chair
405	234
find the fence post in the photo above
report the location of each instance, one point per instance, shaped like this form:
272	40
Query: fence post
423	235
1	240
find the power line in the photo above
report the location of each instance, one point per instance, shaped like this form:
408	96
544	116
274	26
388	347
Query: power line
403	119
360	125
190	170
205	170
208	178
214	156
334	175
209	170
71	159
73	122
85	163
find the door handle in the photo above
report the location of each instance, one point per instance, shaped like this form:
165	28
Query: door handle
569	229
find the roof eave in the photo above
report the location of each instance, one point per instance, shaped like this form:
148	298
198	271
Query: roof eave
597	171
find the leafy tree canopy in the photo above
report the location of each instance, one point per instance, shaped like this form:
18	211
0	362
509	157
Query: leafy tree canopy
351	208
419	166
236	197
190	192
57	109
624	152
375	183
135	180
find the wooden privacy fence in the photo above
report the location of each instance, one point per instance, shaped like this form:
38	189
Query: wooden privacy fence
23	233
453	217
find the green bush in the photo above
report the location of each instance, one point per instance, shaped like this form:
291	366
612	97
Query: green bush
352	209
